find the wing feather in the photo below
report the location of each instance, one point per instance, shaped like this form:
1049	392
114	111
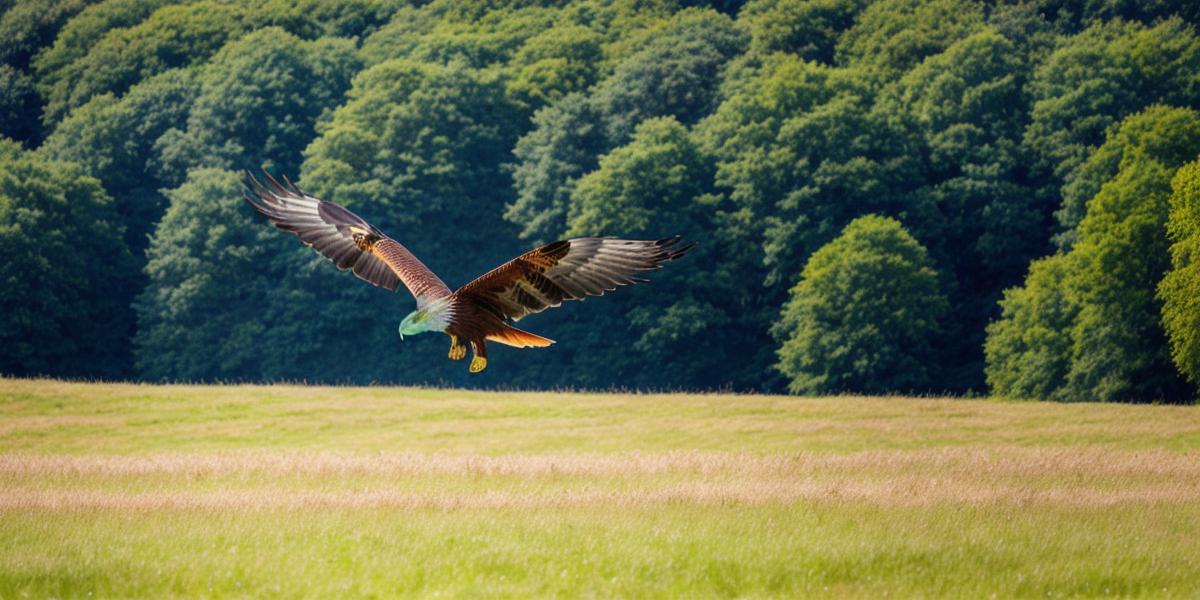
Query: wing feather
568	270
344	238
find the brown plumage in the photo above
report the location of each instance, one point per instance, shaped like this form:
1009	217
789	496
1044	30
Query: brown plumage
484	308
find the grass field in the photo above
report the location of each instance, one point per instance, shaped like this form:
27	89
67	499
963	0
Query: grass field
134	491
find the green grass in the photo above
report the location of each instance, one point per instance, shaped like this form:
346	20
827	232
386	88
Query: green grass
135	491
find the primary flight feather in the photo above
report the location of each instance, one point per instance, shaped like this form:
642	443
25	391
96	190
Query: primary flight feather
484	308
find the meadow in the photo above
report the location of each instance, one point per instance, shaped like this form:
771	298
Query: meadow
122	490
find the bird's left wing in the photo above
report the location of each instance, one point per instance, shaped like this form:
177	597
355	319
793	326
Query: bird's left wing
341	236
568	270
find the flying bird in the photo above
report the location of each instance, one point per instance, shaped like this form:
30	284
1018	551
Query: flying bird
485	308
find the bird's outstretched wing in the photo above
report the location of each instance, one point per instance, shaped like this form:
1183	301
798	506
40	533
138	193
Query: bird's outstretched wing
568	270
341	236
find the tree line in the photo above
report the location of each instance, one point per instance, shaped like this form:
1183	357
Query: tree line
890	196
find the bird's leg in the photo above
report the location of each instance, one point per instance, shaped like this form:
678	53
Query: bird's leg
479	360
457	351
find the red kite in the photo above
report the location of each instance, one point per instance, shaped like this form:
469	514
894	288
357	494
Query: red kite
483	309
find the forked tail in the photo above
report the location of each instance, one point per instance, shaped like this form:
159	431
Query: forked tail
511	336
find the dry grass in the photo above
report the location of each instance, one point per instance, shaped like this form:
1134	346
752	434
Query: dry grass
259	480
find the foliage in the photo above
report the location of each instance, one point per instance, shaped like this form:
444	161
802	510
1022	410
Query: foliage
1029	348
892	36
65	266
1170	137
116	141
798	145
173	36
258	103
1180	288
674	74
863	317
809	29
963	110
445	32
30	25
646	186
1119	351
1101	295
554	63
312	19
563	145
473	130
1096	78
1073	15
19	106
79	35
201	313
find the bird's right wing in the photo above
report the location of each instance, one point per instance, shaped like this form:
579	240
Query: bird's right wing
568	270
341	236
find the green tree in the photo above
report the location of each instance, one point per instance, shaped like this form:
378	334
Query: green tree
554	63
86	29
64	264
19	106
1028	348
864	314
659	172
1101	295
1073	15
116	141
30	25
258	104
657	185
1168	136
26	28
173	36
565	144
1119	351
892	36
1095	79
674	74
398	37
799	146
968	106
475	35
1179	290
202	314
1027	28
313	19
965	109
806	28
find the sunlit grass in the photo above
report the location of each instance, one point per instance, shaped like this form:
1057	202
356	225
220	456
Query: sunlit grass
126	490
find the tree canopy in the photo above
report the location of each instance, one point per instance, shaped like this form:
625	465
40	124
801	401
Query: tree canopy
1180	288
864	315
1034	153
1102	294
64	254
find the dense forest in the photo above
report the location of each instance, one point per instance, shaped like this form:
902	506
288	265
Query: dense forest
890	196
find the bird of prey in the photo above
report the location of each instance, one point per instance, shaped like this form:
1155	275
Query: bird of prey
483	309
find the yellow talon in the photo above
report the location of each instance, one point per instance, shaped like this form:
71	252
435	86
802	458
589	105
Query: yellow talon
478	364
457	351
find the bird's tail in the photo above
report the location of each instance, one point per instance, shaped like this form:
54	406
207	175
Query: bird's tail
511	336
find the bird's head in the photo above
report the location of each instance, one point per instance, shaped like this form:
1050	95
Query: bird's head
417	321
